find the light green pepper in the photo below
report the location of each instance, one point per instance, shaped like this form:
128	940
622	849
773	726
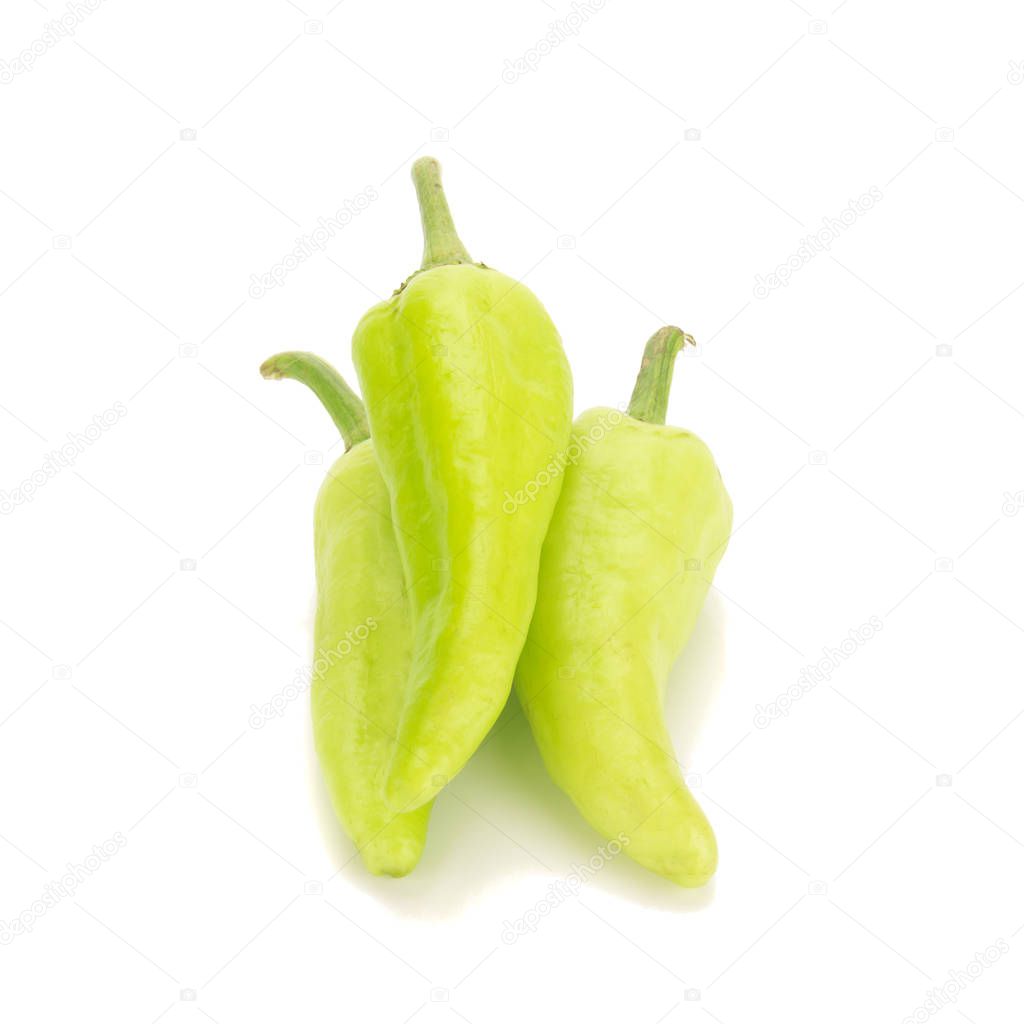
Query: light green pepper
469	399
363	632
641	525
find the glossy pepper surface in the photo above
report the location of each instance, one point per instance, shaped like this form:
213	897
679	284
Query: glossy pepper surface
469	398
363	632
639	530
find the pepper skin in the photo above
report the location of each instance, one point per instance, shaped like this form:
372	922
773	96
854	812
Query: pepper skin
363	632
639	530
469	398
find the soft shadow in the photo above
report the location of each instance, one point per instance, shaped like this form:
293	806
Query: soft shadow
503	816
696	678
468	848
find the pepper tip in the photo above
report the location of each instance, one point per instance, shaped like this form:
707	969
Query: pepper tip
269	369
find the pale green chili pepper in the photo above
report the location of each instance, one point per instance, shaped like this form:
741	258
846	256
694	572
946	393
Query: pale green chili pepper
363	632
641	525
469	398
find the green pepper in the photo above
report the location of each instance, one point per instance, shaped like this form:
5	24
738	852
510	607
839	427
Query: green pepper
363	632
639	530
469	398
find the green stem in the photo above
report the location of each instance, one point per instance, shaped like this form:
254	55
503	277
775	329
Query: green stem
441	244
650	395
344	405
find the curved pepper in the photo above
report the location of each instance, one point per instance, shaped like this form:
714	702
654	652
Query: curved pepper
363	632
639	530
469	398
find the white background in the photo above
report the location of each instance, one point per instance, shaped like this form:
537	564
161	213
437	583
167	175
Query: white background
875	472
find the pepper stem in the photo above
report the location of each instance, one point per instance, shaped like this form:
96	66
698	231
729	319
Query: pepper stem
441	244
650	395
344	405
